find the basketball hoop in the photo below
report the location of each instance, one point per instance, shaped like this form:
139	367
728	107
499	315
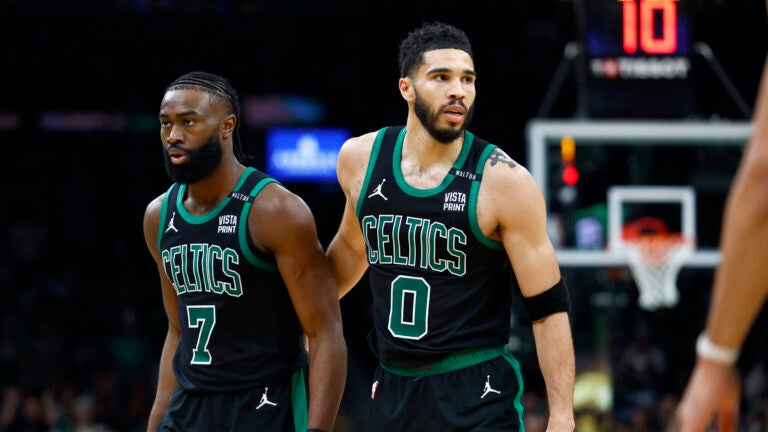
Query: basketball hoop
655	260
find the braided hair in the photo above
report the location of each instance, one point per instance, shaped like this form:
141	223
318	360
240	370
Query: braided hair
220	90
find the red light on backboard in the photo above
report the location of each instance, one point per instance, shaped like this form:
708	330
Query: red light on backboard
570	175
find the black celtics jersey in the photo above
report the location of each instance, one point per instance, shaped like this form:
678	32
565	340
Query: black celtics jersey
238	326
438	284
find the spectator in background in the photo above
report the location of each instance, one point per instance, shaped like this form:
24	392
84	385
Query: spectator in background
27	411
640	372
84	415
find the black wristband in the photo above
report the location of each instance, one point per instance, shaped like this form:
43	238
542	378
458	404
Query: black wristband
315	430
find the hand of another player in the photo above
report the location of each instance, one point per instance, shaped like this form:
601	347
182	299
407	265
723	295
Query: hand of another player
714	391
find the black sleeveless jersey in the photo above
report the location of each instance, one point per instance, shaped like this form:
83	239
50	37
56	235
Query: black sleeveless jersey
438	284
239	329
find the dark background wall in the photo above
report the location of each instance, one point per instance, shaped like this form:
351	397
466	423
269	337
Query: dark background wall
79	296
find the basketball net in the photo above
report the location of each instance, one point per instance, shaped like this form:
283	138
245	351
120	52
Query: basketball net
655	261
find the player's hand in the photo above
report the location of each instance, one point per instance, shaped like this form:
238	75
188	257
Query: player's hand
713	393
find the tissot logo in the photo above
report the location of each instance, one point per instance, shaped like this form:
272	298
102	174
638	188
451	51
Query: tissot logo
640	68
227	224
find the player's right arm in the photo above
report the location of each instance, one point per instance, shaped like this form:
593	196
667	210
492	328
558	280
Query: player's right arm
166	382
740	286
741	282
347	249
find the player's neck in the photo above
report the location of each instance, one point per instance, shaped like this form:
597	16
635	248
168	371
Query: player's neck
204	195
423	149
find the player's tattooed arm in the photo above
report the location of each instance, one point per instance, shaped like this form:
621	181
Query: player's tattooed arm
499	157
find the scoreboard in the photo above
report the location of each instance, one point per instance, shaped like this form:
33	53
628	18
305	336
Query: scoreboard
637	60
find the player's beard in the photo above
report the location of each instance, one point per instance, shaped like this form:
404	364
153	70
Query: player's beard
429	119
200	162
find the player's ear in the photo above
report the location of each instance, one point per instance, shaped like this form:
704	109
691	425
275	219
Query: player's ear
406	88
228	126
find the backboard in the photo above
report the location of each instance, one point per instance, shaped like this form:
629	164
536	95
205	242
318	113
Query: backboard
678	171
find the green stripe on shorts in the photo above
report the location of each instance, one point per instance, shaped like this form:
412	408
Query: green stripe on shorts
452	362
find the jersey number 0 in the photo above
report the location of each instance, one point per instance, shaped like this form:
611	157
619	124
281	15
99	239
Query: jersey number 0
409	310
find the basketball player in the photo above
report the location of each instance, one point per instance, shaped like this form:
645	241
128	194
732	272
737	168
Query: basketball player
740	287
243	276
436	214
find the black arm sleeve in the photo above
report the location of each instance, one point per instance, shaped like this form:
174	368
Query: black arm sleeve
553	300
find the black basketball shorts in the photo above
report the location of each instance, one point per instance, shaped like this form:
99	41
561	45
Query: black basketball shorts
478	390
280	407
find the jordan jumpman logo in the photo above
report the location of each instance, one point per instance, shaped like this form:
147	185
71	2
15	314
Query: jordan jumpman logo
377	191
170	224
487	389
264	400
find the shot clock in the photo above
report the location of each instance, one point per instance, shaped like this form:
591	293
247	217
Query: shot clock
638	23
637	58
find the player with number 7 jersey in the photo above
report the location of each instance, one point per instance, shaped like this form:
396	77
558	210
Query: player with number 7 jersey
232	300
243	279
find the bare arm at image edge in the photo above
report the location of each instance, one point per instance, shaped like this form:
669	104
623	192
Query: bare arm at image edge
740	286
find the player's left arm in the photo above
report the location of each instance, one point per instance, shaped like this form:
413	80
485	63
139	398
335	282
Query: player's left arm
519	210
283	224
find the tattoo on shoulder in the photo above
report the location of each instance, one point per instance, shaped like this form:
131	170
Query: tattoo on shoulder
498	156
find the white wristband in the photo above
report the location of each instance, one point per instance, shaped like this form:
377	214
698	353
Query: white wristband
709	350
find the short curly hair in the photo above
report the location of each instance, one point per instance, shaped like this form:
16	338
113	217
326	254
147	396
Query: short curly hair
428	37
